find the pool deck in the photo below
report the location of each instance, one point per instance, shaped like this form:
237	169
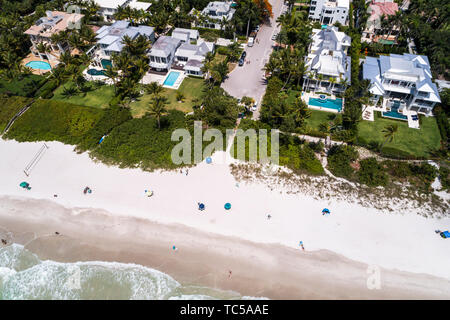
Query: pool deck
307	95
89	77
368	114
31	57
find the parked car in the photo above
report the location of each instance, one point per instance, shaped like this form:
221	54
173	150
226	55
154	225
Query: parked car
254	108
244	54
250	42
241	62
274	37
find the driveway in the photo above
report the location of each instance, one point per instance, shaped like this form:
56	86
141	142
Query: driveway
249	79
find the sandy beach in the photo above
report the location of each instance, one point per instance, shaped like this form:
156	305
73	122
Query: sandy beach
118	222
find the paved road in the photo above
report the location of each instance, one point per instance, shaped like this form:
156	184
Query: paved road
249	79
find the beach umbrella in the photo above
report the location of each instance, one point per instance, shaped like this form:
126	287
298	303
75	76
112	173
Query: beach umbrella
326	211
24	184
227	206
201	206
148	193
208	160
445	234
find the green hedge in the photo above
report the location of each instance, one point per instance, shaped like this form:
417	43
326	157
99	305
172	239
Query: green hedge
49	120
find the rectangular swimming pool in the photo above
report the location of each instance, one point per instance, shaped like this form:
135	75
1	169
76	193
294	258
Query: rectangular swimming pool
326	103
394	112
171	78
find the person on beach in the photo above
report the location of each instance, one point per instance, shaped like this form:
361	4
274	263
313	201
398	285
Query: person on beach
269	216
187	171
301	244
229	274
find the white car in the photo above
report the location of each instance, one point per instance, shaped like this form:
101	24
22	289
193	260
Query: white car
254	108
274	37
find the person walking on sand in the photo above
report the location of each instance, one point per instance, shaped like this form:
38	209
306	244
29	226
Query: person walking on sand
229	274
301	244
269	216
187	171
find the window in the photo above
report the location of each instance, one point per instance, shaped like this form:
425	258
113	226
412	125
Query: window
313	2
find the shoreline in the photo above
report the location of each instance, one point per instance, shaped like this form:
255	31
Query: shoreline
403	242
258	270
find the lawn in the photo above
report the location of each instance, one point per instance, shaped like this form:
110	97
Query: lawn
192	88
318	117
416	142
99	97
23	87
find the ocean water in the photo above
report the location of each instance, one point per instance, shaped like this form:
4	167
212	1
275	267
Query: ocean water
24	276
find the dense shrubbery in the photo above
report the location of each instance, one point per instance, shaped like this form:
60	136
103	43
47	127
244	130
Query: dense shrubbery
444	177
112	117
339	159
294	153
298	156
371	173
24	86
139	142
9	108
49	120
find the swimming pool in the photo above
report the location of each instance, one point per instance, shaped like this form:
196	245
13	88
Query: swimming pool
95	72
326	103
171	78
41	65
394	112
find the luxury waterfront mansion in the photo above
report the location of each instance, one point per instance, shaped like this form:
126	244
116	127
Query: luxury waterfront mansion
327	64
109	38
44	30
377	9
329	11
107	8
215	12
403	81
178	52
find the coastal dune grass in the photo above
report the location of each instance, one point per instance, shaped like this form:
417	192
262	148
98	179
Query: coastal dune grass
9	108
50	120
417	142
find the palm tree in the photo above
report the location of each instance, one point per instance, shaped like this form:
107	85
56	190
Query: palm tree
69	92
158	107
58	75
332	82
42	48
389	133
154	88
112	73
301	112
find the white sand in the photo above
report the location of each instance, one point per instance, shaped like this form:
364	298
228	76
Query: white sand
404	242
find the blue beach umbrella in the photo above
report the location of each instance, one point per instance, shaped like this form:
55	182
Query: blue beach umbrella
208	160
227	206
326	211
201	206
